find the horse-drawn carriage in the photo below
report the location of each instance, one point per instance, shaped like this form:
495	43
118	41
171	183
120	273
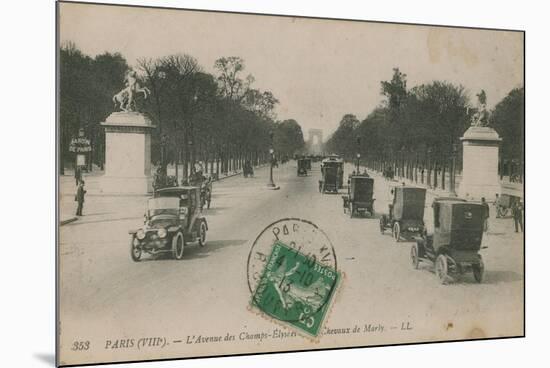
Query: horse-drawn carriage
406	212
359	198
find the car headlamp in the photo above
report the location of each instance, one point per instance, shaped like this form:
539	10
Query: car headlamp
140	234
162	232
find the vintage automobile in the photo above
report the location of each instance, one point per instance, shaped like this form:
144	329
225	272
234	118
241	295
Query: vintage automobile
359	198
172	220
302	167
330	180
336	162
455	242
308	163
406	212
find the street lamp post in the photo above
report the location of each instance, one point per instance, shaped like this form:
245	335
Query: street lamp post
271	184
416	167
191	134
163	141
429	167
402	162
358	141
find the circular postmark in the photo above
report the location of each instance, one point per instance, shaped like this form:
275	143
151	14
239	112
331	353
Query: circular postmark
292	272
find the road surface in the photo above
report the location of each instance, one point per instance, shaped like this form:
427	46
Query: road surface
105	297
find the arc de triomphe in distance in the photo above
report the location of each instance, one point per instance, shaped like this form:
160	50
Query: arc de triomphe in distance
315	141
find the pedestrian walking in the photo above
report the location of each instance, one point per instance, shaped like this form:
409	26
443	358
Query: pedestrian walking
77	174
497	205
79	197
517	212
485	214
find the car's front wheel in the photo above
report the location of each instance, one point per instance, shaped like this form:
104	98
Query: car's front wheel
202	234
135	250
178	243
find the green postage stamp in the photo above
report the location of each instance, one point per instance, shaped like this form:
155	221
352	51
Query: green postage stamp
295	288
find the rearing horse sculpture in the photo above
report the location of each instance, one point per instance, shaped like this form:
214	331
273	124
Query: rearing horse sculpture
126	97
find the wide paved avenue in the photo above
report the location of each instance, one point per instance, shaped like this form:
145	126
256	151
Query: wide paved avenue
207	292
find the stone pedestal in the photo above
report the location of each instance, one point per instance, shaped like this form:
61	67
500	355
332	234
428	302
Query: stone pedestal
127	154
480	163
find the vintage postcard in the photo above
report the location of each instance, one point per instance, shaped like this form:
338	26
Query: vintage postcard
239	183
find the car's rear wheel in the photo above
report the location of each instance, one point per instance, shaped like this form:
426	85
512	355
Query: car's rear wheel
441	270
178	244
414	256
135	250
396	231
478	270
202	234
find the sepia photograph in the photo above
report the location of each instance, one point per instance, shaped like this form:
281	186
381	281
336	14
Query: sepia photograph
235	183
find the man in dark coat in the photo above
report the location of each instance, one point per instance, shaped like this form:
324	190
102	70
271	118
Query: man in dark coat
517	212
77	174
80	192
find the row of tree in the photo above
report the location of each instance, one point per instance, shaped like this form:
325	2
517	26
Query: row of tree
424	123
218	119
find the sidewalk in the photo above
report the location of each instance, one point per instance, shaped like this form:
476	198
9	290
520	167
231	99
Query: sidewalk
515	189
67	185
431	193
104	207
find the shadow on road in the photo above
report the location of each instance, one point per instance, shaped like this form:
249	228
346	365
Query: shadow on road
82	220
356	216
495	277
194	251
214	210
489	277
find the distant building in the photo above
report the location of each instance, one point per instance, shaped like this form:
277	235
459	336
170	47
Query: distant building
315	141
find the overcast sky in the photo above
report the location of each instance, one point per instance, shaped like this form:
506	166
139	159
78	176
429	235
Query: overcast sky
318	69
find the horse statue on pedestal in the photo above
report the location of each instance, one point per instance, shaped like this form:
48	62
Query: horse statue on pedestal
125	99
